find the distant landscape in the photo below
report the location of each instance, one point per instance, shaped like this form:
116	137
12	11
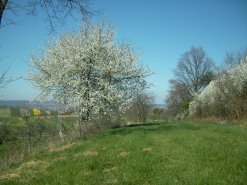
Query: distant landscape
48	105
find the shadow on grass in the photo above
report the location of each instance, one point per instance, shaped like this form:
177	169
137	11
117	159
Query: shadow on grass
144	124
154	127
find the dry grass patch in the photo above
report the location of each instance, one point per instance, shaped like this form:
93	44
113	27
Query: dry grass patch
78	154
61	148
90	153
107	170
32	166
123	154
27	170
112	181
86	173
10	176
62	158
146	183
147	149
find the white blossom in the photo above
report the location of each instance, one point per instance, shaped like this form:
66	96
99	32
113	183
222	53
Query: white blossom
87	71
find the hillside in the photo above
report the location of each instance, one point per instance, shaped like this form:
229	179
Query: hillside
160	153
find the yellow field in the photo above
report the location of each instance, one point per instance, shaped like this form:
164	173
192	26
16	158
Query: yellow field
36	112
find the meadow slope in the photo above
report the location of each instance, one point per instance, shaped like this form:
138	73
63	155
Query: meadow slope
157	153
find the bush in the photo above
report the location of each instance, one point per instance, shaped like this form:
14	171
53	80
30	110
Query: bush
44	113
7	133
4	132
224	97
53	113
15	111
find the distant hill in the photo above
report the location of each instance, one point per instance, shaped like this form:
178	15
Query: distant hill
159	106
48	105
14	103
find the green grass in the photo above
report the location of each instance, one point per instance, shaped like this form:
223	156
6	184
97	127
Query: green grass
15	111
175	153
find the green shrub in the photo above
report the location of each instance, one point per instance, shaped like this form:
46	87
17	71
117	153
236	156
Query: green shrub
31	112
54	113
15	111
43	113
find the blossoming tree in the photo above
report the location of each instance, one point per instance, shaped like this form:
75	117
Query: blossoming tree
88	72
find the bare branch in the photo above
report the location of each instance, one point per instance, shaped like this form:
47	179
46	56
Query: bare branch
56	12
193	73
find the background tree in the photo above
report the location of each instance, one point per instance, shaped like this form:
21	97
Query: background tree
193	73
55	11
177	94
194	69
141	105
31	123
236	58
88	72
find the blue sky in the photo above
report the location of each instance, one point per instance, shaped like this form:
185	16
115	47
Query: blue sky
162	30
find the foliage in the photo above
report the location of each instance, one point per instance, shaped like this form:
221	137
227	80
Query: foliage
140	106
44	112
4	132
177	94
158	111
15	134
53	112
28	112
15	111
186	152
4	119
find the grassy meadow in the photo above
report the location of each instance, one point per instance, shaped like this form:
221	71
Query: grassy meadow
156	153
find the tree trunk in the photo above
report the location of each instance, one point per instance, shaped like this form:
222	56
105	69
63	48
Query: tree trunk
80	123
236	110
29	139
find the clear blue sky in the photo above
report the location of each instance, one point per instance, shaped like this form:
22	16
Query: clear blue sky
161	29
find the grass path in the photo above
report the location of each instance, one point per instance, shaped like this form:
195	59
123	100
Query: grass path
166	153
